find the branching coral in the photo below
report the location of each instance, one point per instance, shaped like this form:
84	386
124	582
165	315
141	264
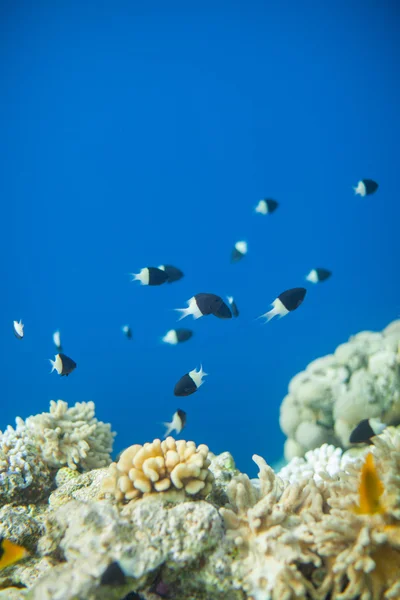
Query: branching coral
71	436
271	525
64	436
359	538
159	466
327	400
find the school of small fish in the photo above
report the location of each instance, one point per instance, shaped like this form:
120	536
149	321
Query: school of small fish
201	305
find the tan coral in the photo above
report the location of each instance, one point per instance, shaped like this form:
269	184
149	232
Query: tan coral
272	528
159	466
362	551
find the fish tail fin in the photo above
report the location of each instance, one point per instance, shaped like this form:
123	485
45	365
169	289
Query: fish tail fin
184	312
169	427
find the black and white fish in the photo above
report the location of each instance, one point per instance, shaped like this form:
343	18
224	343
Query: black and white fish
173	273
177	336
62	364
239	251
113	575
18	329
286	302
127	331
266	206
365	430
204	304
318	275
365	187
190	383
57	340
177	424
233	306
150	276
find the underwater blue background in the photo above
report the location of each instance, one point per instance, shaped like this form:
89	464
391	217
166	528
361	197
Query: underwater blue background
141	133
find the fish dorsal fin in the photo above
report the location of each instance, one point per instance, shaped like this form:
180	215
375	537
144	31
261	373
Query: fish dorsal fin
370	489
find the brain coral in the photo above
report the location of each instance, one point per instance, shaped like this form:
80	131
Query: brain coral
326	401
159	466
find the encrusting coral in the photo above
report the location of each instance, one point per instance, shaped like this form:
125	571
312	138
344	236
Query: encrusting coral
359	381
160	466
31	452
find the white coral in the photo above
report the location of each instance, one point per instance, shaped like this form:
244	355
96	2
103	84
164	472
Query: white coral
361	379
71	436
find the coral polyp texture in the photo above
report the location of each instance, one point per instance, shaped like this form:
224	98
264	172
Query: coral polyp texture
160	466
30	453
360	380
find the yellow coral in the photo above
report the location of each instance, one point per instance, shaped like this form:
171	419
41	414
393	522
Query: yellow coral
160	466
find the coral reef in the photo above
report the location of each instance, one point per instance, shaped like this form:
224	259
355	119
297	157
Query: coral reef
325	526
159	466
30	453
326	401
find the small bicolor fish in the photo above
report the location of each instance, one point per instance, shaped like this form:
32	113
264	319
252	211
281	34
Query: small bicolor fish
318	275
239	251
204	304
113	575
370	489
173	273
266	206
10	553
178	422
190	383
18	329
286	302
233	306
63	364
365	430
57	340
150	276
365	187
177	336
127	331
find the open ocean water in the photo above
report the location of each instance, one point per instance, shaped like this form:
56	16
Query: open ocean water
140	133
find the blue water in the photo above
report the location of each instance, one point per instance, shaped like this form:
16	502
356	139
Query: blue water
141	133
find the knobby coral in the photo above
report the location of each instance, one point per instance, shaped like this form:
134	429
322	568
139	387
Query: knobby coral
326	401
159	466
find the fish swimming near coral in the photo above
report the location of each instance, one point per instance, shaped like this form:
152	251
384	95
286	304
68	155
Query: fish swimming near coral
370	489
285	303
18	329
10	553
173	273
204	304
365	430
62	364
178	423
150	276
190	382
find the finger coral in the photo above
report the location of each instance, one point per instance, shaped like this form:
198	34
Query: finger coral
271	526
160	466
359	381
